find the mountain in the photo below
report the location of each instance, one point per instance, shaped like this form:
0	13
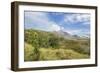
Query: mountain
62	33
69	36
66	35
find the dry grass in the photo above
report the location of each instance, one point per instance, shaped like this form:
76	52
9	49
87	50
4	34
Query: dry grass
51	54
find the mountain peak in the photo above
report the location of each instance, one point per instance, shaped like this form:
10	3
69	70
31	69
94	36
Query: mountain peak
63	32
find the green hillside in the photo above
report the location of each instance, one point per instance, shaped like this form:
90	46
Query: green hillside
41	45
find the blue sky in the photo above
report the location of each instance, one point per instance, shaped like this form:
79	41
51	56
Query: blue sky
73	23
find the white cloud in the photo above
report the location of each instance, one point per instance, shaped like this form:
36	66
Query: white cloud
42	21
55	27
75	18
62	28
75	31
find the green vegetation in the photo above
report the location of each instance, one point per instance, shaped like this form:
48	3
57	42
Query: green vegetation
41	45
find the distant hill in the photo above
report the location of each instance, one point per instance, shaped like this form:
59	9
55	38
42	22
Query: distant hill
69	36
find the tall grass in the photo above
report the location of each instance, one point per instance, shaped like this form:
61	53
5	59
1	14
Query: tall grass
51	54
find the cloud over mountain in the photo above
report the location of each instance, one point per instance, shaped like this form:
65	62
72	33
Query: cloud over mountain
40	20
74	23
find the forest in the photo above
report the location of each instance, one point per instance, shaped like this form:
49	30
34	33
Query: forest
42	46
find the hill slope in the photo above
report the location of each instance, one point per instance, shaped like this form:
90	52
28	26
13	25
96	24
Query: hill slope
49	42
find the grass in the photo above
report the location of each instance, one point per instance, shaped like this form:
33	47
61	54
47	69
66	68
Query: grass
28	52
50	54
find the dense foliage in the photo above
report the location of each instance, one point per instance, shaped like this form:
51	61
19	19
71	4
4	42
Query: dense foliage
42	45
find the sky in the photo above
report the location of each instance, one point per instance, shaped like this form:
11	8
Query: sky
73	23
